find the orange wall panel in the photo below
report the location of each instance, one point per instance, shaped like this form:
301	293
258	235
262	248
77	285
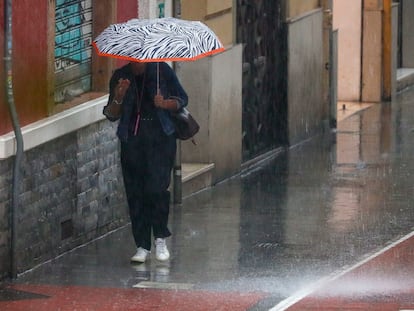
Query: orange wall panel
126	9
5	124
30	59
347	17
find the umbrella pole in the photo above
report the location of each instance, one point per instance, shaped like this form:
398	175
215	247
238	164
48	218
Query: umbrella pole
158	78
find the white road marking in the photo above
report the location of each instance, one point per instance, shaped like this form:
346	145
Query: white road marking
160	285
290	301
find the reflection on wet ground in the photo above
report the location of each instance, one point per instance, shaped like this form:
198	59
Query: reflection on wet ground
315	209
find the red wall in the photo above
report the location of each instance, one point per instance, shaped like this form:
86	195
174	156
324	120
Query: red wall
29	62
4	112
127	9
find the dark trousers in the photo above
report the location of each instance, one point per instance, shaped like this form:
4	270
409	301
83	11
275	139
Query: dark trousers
147	160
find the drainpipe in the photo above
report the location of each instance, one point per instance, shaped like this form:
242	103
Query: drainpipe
8	48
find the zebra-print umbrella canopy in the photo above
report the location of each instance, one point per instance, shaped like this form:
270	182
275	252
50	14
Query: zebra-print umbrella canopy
160	39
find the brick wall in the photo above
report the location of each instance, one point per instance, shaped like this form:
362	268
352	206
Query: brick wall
71	192
5	194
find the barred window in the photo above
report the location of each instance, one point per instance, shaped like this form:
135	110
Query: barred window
73	52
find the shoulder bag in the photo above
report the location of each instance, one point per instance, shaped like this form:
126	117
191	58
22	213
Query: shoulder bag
185	125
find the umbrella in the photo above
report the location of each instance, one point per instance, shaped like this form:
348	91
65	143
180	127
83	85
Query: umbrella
159	39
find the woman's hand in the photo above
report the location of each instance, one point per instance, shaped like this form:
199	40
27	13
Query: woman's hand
169	104
113	109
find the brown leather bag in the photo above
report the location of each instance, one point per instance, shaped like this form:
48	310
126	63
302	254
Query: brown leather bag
185	125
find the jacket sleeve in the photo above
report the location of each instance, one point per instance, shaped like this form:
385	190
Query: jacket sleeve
176	91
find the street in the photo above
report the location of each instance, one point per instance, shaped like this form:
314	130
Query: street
325	225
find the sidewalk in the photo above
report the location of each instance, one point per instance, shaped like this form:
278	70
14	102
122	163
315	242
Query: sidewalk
383	281
321	227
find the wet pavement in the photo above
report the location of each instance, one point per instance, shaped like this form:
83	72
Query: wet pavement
326	225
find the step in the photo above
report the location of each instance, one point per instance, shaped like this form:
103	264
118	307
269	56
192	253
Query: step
196	176
405	78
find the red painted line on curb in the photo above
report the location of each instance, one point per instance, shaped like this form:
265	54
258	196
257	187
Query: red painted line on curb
90	298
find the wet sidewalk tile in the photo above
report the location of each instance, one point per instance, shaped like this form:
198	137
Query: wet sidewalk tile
256	240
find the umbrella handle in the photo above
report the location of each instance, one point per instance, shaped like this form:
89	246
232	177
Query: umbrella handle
158	79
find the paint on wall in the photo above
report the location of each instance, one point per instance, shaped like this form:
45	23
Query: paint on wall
347	16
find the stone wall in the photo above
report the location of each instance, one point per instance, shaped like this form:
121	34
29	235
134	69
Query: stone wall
214	88
5	194
305	72
71	192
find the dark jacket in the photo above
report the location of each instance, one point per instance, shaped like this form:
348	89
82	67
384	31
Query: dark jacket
170	87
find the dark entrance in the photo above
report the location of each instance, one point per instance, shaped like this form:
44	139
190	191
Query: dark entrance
261	28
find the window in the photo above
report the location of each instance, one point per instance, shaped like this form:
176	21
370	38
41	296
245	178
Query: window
73	52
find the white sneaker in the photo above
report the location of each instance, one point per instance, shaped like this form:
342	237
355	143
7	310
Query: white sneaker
141	255
161	250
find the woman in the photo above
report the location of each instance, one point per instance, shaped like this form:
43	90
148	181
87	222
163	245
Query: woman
142	96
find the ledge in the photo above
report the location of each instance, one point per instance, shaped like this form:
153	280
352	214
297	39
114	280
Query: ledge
405	78
304	15
346	109
192	170
40	132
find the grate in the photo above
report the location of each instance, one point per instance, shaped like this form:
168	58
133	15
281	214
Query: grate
66	228
73	51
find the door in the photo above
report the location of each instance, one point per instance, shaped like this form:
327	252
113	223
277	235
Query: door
262	31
